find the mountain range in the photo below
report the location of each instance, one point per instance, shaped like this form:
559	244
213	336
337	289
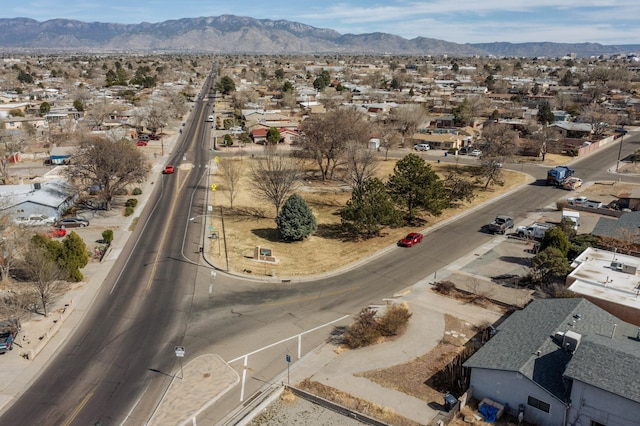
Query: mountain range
244	35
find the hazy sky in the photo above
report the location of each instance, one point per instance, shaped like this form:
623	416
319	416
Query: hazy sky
461	21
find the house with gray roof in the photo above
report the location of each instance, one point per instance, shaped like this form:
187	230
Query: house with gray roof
49	198
573	129
619	229
562	361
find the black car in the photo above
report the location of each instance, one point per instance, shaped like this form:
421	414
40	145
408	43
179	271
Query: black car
72	222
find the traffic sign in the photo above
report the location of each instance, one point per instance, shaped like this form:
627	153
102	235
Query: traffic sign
288	358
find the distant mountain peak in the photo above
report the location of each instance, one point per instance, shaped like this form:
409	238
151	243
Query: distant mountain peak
241	34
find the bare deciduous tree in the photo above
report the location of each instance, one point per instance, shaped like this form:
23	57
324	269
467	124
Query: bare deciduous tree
176	104
232	173
11	247
326	137
9	144
458	188
98	112
387	143
598	116
156	117
548	139
360	164
501	142
274	177
111	165
45	277
501	145
407	118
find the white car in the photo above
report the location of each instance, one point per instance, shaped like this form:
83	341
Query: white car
476	153
577	201
36	220
422	147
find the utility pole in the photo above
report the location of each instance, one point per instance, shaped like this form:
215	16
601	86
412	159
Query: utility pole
224	237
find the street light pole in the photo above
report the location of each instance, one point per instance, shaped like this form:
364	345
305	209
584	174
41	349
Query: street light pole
622	132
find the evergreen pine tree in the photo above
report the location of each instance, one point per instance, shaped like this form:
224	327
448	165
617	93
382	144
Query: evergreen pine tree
296	220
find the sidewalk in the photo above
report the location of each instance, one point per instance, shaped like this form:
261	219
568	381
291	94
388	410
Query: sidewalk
192	391
41	337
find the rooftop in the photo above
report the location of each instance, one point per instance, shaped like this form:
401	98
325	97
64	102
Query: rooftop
527	343
595	276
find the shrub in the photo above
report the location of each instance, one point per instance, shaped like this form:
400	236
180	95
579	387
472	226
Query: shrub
444	287
128	211
296	220
367	329
70	254
131	202
364	331
75	256
107	236
394	320
359	335
136	191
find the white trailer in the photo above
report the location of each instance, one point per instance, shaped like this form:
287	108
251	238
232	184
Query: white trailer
572	215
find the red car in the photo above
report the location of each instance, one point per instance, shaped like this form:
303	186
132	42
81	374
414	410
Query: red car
141	143
154	137
57	233
411	239
168	170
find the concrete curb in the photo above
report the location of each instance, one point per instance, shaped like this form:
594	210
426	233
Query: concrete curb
30	354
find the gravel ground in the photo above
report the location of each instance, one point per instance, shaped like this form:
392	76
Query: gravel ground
300	412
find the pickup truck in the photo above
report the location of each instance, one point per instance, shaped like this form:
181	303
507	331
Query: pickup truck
535	231
8	332
584	202
500	224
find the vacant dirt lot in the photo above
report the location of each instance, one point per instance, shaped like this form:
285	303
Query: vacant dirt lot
251	223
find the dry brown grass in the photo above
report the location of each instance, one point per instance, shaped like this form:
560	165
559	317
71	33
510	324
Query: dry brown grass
251	224
417	377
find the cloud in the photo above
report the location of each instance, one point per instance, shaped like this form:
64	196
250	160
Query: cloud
468	21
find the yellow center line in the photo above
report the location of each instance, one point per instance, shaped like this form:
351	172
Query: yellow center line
78	409
309	298
164	236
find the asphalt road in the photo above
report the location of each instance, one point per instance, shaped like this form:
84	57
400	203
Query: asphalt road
115	368
125	345
267	313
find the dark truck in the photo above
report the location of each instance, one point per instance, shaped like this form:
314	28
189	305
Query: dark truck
500	224
8	332
558	174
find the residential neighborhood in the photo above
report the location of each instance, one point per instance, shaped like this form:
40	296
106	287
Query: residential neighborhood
373	148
